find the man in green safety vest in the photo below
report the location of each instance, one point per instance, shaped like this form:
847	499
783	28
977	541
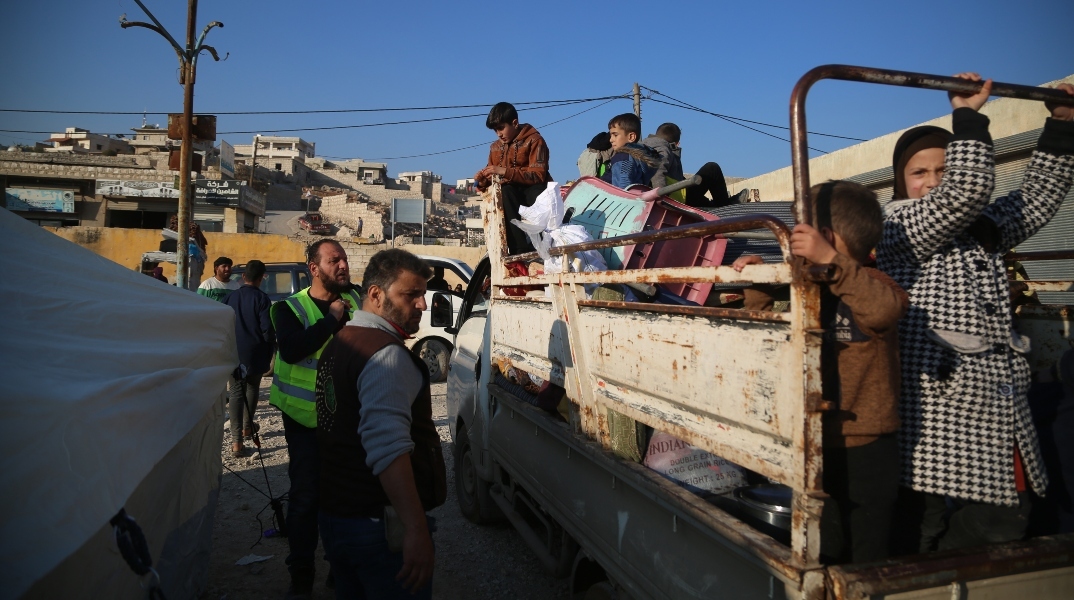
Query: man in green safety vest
304	324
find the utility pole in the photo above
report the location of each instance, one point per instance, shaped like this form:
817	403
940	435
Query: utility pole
637	100
188	63
253	162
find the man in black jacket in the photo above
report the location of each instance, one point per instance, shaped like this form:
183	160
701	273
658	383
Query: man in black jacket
256	342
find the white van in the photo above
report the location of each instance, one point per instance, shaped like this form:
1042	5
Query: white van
433	344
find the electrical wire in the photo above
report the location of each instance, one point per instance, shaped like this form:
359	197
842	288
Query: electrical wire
729	117
302	112
612	98
700	110
360	126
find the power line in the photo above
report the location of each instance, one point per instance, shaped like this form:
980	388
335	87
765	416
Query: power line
364	125
612	98
305	112
729	117
701	110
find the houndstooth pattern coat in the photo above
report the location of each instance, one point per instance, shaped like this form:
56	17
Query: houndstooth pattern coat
963	410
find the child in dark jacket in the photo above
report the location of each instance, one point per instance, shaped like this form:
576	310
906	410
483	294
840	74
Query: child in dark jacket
860	310
520	157
632	162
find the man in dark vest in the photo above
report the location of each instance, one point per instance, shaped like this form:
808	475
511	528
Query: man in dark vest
381	464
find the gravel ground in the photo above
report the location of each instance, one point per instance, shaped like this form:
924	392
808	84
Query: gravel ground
472	562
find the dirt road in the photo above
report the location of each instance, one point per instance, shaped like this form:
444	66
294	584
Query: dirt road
471	562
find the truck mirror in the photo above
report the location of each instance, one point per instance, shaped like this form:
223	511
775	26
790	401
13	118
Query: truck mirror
440	315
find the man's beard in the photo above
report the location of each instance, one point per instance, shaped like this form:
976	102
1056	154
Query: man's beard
331	285
400	316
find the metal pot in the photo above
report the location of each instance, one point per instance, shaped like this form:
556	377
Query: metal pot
766	504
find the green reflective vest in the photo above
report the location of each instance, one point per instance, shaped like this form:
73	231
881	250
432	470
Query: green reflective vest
293	385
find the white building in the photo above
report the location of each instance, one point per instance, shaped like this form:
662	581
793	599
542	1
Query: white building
81	141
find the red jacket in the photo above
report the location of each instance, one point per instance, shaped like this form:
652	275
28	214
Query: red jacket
525	158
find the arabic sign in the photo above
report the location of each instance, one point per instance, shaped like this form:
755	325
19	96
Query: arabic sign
32	199
140	189
219	192
228	193
408	210
252	201
227	159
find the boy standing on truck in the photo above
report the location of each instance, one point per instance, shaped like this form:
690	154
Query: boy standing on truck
520	157
967	437
631	162
860	310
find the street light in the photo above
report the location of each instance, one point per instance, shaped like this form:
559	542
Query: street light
188	63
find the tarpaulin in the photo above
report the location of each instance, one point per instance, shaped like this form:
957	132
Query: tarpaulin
106	373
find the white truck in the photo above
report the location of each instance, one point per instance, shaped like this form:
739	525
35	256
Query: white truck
742	385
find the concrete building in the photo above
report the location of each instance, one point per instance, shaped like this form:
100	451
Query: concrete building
129	191
275	152
82	141
152	138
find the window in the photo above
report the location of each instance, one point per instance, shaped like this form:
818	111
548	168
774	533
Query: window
98	146
277	282
279	166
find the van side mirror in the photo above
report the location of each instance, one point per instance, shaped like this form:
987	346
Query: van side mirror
440	314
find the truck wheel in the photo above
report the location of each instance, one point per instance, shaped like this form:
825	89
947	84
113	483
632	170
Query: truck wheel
436	354
475	503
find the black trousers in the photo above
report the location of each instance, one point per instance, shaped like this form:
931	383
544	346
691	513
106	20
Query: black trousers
242	404
712	181
862	483
937	523
516	195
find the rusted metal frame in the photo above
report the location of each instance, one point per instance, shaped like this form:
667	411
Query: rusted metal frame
752	274
592	419
730	224
799	149
541	300
807	503
1048	286
772	273
692	311
805	298
1041	255
775	273
942	568
495	233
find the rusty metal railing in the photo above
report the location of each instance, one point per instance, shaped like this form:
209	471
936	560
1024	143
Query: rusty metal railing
799	150
728	225
1040	255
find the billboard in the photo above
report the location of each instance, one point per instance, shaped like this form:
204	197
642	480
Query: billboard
33	199
137	189
228	193
218	192
227	159
408	210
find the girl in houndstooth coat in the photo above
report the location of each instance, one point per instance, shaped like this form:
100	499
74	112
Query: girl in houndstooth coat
967	433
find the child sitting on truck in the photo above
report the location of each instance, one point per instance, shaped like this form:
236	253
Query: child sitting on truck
860	310
631	163
968	437
520	157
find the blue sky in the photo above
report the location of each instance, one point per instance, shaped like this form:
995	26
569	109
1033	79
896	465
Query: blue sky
739	59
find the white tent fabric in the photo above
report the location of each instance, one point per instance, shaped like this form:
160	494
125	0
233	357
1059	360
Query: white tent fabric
105	370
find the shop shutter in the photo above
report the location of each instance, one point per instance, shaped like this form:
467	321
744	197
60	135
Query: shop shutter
208	213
